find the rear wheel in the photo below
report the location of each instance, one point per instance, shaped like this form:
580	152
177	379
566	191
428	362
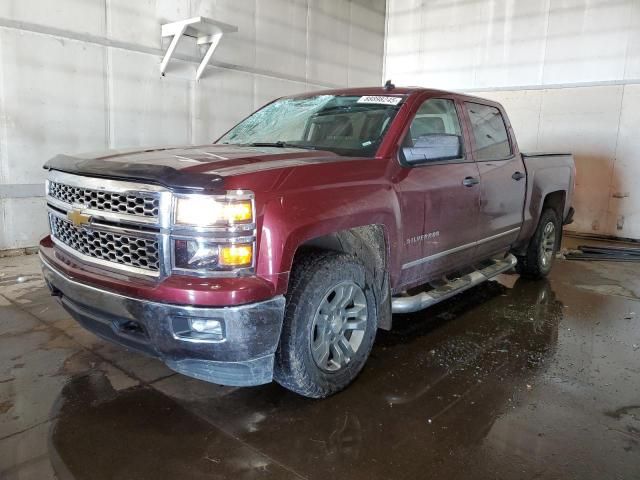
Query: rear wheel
538	260
329	327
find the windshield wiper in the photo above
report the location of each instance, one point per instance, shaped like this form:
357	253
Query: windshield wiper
268	144
279	144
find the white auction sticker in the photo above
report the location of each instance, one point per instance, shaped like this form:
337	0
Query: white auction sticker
381	99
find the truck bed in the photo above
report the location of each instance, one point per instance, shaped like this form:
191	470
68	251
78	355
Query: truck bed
547	172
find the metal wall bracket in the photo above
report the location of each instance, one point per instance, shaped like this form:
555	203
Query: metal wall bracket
204	30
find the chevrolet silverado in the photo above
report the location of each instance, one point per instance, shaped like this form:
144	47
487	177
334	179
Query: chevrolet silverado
277	252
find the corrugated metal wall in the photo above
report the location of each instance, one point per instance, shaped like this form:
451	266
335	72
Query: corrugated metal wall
83	75
568	72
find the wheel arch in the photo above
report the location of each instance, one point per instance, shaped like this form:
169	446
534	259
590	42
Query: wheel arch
538	203
370	245
555	200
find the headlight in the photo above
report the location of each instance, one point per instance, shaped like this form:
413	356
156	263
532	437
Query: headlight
200	255
195	255
203	211
214	234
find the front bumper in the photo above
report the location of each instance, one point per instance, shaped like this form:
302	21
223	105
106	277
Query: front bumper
243	356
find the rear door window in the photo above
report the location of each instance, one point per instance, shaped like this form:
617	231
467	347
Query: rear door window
489	132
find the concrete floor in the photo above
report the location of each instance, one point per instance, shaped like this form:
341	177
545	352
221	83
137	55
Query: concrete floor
515	379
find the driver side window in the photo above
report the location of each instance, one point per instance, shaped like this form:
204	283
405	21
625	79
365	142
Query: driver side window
436	115
434	134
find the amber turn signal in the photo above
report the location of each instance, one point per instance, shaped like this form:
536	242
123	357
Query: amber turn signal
235	255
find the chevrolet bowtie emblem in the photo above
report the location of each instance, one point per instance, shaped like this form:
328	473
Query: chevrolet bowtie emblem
78	218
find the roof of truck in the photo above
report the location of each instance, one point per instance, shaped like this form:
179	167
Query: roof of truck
366	91
393	91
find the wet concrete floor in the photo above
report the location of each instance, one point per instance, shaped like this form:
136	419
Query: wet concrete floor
514	379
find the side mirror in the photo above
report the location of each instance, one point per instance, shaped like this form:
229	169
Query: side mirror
433	147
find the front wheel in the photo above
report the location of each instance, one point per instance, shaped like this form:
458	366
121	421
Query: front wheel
329	327
538	260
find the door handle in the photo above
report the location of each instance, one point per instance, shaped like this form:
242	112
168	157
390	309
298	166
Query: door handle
470	181
517	176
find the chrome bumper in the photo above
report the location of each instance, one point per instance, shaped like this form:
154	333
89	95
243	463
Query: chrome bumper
243	356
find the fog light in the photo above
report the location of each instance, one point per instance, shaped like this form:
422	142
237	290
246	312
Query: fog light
206	326
197	329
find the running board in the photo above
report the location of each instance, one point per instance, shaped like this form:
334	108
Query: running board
446	290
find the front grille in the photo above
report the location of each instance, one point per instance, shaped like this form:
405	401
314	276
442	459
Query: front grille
120	249
138	203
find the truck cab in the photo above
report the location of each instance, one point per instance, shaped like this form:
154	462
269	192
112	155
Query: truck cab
279	250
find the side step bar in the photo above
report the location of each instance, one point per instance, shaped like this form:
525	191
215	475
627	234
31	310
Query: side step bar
425	299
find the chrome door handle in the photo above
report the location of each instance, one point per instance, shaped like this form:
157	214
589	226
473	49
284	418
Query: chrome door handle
470	181
517	176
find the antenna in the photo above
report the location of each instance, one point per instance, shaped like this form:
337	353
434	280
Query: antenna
388	85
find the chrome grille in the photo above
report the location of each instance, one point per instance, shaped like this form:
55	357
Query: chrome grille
128	250
138	203
127	226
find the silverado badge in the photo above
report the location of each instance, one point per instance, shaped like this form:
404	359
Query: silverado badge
77	218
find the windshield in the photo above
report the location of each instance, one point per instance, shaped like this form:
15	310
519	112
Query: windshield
346	125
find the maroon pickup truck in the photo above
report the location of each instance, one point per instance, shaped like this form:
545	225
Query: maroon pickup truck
278	251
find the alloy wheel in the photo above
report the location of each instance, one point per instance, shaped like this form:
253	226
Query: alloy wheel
548	244
338	326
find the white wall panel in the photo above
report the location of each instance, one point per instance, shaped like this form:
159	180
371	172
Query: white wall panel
512	43
466	44
404	42
365	45
281	36
587	40
81	16
632	67
83	75
53	101
5	240
328	42
268	88
145	108
584	121
312	87
220	103
138	22
22	222
624	199
450	43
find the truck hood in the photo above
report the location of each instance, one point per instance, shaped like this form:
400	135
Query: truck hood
194	168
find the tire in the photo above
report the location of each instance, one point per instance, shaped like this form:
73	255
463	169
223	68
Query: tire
538	260
330	294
